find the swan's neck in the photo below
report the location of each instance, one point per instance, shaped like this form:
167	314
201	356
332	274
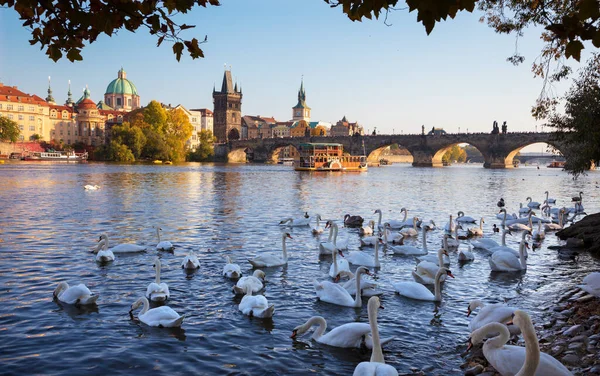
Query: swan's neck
376	354
158	234
437	288
385	233
377	264
318	320
532	352
146	306
539	226
379	220
335	233
504	221
405	215
522	254
481	224
504	238
440	258
561	216
283	248
157	273
424	231
335	266
499	340
358	298
330	234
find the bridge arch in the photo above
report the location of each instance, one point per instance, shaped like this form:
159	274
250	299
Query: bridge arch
375	155
437	158
240	154
509	159
274	152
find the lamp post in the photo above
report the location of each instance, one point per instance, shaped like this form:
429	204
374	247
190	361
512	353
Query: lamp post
458	129
536	128
393	131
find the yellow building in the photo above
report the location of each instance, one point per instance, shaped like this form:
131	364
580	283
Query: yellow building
30	112
299	129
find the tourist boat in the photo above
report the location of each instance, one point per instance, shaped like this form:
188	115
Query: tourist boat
61	156
286	161
556	164
328	157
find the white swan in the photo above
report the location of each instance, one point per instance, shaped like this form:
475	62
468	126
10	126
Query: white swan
489	244
548	199
394	223
378	211
524	210
450	226
464	219
426	271
89	187
556	226
295	222
269	260
500	215
516	360
104	255
368	229
341	243
351	335
255	281
231	270
466	255
532	204
433	257
368	286
157	291
163	317
376	366
418	291
520	226
121	248
503	261
390	237
450	243
335	294
256	305
363	258
539	234
190	262
591	284
78	295
410	231
327	247
163	245
488	313
476	231
409	250
338	265
505	248
317	229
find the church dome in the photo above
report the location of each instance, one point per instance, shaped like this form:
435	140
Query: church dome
87	103
121	85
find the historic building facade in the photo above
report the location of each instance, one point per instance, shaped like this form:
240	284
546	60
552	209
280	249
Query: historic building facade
29	111
301	111
121	94
227	116
345	128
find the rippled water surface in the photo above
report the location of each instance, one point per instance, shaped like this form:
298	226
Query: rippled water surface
48	224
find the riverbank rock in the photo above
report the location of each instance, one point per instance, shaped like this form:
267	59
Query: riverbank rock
586	231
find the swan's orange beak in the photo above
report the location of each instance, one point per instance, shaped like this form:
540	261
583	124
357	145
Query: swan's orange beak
294	333
450	273
469	345
289	236
510	323
340	252
336	279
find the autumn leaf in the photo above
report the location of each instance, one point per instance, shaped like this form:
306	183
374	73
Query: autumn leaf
178	50
573	49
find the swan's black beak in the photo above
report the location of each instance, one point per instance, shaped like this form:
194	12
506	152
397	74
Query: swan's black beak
294	333
470	344
468	311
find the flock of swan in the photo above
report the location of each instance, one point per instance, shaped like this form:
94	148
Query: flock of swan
494	322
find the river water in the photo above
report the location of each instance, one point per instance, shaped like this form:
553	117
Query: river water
49	223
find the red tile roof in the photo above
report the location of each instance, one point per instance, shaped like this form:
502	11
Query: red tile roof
12	94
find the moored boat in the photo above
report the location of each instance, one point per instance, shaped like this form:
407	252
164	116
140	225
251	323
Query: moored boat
556	164
61	156
328	157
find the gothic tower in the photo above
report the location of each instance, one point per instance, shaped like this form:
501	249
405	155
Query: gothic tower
301	111
227	118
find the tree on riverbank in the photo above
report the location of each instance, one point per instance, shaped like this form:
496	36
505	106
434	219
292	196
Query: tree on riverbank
205	150
455	154
9	130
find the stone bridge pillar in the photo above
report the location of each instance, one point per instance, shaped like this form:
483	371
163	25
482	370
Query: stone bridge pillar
424	158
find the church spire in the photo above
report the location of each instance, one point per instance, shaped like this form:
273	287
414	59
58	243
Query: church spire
69	98
49	98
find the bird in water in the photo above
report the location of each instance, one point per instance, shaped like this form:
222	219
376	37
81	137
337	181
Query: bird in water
496	228
500	203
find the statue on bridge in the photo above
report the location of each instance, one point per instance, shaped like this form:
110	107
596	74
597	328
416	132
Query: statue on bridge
423	129
495	129
504	127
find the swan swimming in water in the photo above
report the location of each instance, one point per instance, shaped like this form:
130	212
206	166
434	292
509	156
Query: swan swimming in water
270	259
464	219
104	255
376	366
335	294
503	261
409	250
338	265
120	248
426	271
157	291
476	231
465	256
190	262
77	295
295	222
516	360
368	287
256	305
362	258
488	313
231	270
255	281
418	291
163	245
539	234
162	317
317	229
90	187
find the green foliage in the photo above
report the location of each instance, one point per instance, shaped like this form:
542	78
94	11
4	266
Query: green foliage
114	151
579	127
178	131
205	150
9	130
455	153
156	116
35	137
155	147
132	137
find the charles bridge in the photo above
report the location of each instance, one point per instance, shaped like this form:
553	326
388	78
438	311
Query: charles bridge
498	150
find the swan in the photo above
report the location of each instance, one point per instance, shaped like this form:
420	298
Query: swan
434	258
269	260
367	286
548	199
121	248
394	224
327	247
353	220
390	237
577	198
105	255
335	294
255	281
532	204
230	270
432	226
522	227
502	215
516	360
466	255
418	291
410	231
497	312
450	226
426	271
409	250
190	262
351	335
89	187
341	243
369	241
591	284
378	211
163	245
489	244
78	295
462	219
503	261
524	210
539	234
318	229
256	305
163	317
368	229
338	265
451	243
295	222
157	291
376	366
556	226
362	258
505	248
476	231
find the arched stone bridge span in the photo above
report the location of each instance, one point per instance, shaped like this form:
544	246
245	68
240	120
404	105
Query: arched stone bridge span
498	150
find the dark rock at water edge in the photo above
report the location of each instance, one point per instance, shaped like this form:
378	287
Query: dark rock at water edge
587	230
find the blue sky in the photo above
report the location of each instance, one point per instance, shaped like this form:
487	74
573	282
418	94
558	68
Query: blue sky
394	78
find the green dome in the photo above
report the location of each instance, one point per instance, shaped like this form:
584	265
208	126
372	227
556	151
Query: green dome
121	85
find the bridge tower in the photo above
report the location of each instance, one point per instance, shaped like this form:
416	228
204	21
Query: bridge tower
227	120
301	111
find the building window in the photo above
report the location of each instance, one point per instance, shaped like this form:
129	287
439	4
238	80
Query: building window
68	133
41	110
9	107
10	116
31	118
0	106
21	117
108	101
118	102
22	127
31	109
21	138
21	108
53	114
75	133
65	114
129	102
32	128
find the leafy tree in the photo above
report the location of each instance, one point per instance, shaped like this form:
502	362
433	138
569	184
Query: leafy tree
205	150
579	127
9	130
177	131
156	116
456	153
114	151
35	137
155	147
131	136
